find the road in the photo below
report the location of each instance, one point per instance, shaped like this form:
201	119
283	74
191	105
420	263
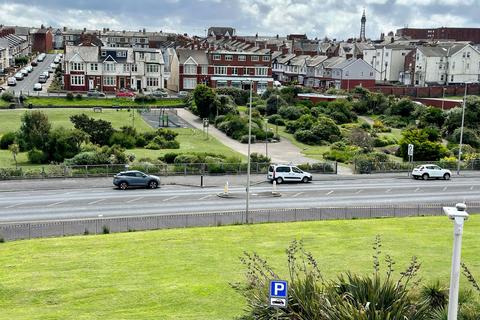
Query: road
88	201
26	85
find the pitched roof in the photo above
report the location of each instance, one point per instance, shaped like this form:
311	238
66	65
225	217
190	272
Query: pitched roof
315	60
89	54
285	58
346	63
199	56
299	60
333	62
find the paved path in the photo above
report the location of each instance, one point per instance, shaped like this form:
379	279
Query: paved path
283	151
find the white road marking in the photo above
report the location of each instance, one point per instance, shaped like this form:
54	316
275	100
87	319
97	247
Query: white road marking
171	198
203	198
471	188
328	193
358	191
13	205
388	190
417	189
136	199
54	204
297	194
97	201
445	189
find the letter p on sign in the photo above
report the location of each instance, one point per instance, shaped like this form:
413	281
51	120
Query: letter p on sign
278	289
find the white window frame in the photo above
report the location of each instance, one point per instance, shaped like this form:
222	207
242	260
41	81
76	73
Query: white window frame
109	67
220	70
76	66
152	82
205	70
110	81
242	58
217	57
189	69
153	68
235	71
228	57
77	80
189	83
266	58
122	54
254	58
93	66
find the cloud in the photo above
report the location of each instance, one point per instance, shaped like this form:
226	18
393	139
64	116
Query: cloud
317	18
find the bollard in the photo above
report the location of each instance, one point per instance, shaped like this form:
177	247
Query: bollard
274	187
201	181
225	189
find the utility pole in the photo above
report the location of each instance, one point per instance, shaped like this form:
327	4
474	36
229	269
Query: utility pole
461	130
248	152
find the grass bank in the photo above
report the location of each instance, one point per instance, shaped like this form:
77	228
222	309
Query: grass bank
98	102
185	273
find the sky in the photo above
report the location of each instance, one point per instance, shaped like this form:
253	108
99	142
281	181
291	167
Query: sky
336	19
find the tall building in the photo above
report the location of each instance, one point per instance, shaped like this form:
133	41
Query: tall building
362	28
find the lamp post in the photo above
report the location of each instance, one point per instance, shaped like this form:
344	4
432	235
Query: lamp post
458	215
247	204
443	98
461	130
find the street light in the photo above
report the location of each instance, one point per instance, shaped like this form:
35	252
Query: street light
248	152
458	215
443	98
461	129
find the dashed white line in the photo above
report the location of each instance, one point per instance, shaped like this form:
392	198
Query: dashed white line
54	204
358	191
171	198
388	190
203	198
96	201
445	188
13	205
136	199
328	193
297	194
417	189
471	188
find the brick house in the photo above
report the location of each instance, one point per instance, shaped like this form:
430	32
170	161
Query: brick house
111	69
193	68
42	40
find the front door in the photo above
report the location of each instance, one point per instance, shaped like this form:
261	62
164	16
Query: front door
139	84
91	84
122	83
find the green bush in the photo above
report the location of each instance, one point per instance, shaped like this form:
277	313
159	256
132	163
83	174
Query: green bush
290	112
384	141
6	140
69	96
153	146
326	130
274	103
8	96
244	139
36	156
305	122
276	119
239	96
187	158
169	157
122	139
259	158
79	96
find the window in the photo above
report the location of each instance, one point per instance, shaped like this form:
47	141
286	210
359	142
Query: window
235	71
453	65
189	83
152	82
141	55
468	66
220	70
371	74
153	56
254	58
77	80
204	69
134	68
386	54
190	69
346	73
221	84
228	57
109	67
76	66
104	54
121	54
451	78
247	71
442	77
241	58
468	54
217	57
93	66
283	169
266	58
152	68
109	81
261	71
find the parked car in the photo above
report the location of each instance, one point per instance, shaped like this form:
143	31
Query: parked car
125	93
182	94
24	72
37	87
428	171
56	60
52	68
285	173
159	93
34	63
127	179
46	74
42	79
19	76
95	94
29	68
41	57
11	81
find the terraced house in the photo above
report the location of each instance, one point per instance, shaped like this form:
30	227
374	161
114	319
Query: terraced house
110	69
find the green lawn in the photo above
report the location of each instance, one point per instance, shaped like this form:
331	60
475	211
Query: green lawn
101	102
314	152
185	273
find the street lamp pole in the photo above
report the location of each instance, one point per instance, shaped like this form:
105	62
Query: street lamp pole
443	99
248	152
461	130
266	137
458	215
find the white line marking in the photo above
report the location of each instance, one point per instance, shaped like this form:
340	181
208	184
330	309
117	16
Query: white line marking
471	188
13	205
203	198
97	201
359	191
296	195
171	198
136	199
417	189
54	204
445	189
388	190
328	193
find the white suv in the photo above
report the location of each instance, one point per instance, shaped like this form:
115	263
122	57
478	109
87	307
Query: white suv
284	173
427	171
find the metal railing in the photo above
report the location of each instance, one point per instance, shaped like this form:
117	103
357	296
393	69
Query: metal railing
60	228
391	166
108	170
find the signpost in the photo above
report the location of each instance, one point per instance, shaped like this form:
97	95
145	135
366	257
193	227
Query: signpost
206	124
410	153
278	293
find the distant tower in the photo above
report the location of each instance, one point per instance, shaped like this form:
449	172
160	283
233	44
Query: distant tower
362	28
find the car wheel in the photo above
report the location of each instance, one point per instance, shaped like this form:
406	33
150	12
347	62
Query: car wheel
446	176
153	185
123	186
279	180
305	179
415	177
425	176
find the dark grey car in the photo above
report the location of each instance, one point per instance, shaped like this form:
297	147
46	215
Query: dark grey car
133	178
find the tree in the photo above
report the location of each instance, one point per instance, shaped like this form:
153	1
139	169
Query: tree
64	144
14	149
204	99
99	131
361	138
34	130
432	116
326	130
403	108
424	149
274	102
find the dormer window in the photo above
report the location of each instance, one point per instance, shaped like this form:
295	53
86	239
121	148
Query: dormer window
121	54
104	53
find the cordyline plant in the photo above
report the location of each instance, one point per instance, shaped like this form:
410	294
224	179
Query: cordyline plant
377	296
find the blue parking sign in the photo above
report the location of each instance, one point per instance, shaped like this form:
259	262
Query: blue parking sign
278	288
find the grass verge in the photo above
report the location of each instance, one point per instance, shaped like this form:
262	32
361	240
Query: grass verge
185	273
98	102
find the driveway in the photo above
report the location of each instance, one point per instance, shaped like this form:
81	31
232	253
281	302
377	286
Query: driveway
282	152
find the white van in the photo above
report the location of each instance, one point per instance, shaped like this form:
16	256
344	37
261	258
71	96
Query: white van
11	81
285	173
41	57
19	76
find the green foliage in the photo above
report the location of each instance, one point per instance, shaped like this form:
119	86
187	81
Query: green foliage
305	122
204	99
290	112
274	103
187	158
34	130
140	98
361	138
326	130
100	155
470	137
259	158
383	141
122	139
21	60
6	140
240	97
338	110
36	156
8	96
99	131
404	108
64	143
169	157
276	119
371	103
234	126
431	116
70	96
424	148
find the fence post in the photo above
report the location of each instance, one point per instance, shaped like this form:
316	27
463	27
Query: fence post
184	169
418	210
295	214
394	210
86	171
215	219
